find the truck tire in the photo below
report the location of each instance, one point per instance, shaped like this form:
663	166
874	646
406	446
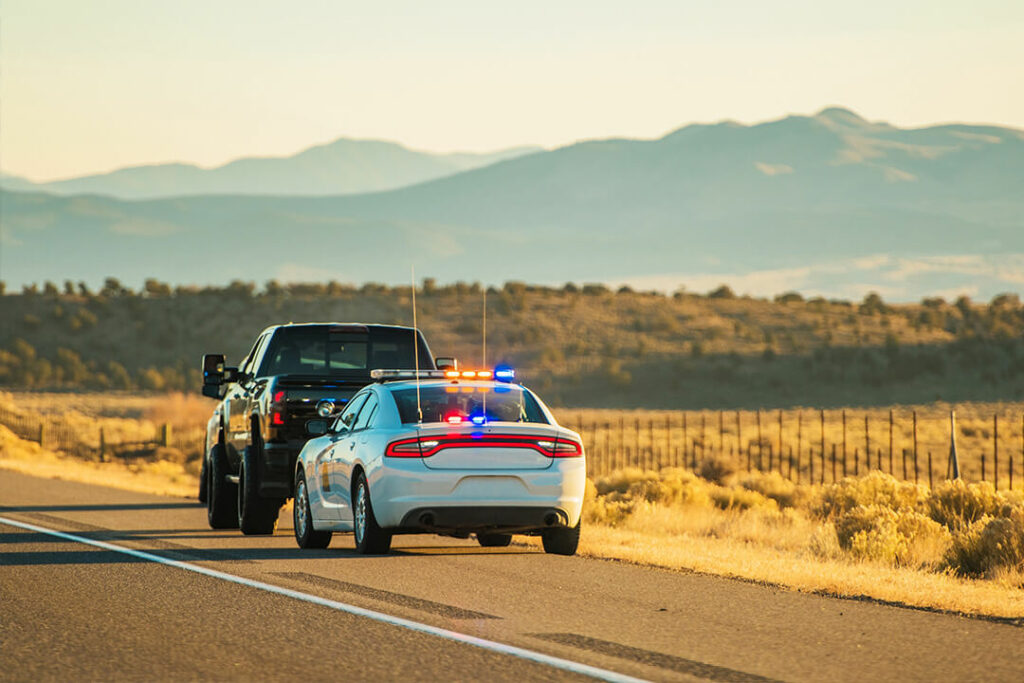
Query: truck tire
204	476
221	498
305	535
257	516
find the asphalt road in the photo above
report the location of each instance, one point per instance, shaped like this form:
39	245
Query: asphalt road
74	611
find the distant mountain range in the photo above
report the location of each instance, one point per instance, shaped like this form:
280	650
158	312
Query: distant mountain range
827	203
341	167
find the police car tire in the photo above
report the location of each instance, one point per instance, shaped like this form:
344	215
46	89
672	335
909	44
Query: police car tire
204	476
561	541
494	540
221	498
375	541
257	516
311	539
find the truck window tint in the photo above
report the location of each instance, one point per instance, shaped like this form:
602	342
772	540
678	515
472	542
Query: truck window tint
315	350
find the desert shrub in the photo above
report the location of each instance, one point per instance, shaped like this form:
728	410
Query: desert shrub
891	536
716	469
957	504
988	545
877	488
740	499
773	485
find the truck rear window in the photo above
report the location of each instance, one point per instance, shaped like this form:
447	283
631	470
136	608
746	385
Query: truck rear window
313	350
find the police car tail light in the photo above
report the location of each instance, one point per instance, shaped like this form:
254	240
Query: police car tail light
560	448
411	448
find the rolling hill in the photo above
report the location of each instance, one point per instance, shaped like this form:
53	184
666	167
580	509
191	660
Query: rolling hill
343	166
829	202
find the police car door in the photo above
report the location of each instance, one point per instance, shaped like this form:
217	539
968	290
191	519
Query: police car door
342	465
341	436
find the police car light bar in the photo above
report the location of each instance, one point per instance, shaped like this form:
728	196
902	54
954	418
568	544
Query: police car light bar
380	375
501	374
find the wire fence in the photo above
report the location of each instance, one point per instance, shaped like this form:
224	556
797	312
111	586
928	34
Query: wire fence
809	446
90	440
806	446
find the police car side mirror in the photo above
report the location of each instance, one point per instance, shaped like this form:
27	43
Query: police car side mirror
316	427
446	363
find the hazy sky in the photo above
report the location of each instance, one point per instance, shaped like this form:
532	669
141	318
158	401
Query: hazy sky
88	86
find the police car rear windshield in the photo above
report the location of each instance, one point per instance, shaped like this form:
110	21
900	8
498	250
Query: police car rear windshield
323	350
456	403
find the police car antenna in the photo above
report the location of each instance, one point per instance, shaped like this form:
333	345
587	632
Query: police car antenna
416	345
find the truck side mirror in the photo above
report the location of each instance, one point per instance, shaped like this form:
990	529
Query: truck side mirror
446	363
213	374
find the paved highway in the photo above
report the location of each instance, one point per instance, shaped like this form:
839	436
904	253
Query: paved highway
158	595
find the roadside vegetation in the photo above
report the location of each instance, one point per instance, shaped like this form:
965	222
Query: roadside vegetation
959	546
579	345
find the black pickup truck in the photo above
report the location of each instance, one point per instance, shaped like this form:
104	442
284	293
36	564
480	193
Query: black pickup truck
259	426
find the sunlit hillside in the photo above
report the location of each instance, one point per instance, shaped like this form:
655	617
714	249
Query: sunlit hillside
582	346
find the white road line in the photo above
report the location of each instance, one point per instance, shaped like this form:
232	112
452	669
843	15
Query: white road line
512	650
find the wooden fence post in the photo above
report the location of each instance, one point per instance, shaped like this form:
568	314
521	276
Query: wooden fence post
915	446
904	452
823	445
931	485
995	450
165	435
867	443
721	433
760	443
844	442
833	462
103	445
890	441
780	440
42	440
799	436
983	465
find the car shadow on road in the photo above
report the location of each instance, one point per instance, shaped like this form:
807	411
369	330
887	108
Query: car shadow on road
100	507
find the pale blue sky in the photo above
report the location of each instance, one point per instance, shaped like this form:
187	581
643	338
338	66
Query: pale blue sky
90	86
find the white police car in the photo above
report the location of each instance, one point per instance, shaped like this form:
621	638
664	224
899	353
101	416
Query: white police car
454	453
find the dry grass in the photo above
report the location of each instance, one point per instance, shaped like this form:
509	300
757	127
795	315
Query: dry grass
160	477
959	548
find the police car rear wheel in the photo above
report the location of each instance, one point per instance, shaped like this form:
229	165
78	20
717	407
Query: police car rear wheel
370	538
494	540
561	541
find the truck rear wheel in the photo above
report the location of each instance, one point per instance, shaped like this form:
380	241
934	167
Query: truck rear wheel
221	498
257	516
